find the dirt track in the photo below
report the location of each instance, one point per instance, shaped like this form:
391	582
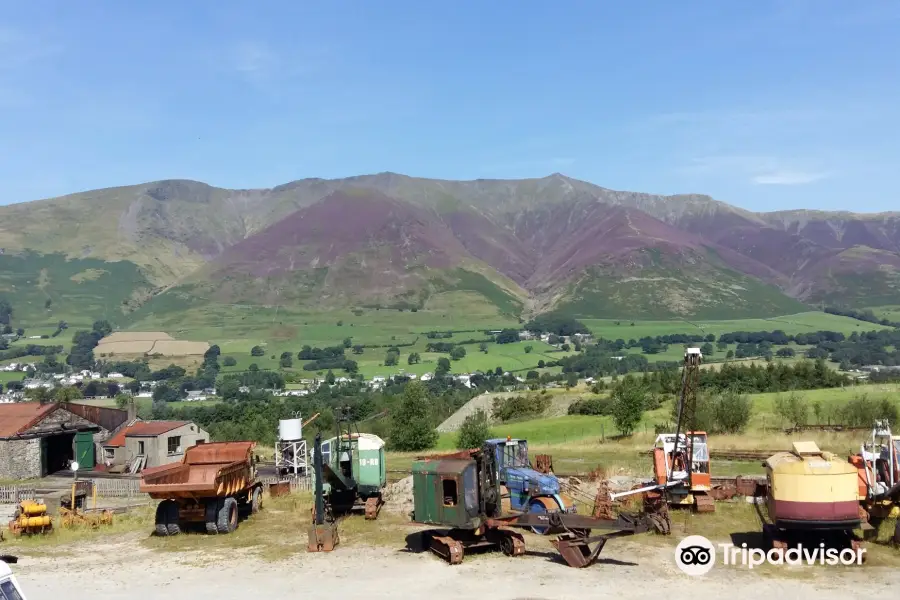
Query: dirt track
128	570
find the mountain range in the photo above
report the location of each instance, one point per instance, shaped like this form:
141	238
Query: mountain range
390	240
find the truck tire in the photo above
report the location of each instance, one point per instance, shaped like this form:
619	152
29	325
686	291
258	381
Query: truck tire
172	521
212	515
226	522
162	517
255	500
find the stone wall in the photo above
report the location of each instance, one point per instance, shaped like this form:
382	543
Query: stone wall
20	459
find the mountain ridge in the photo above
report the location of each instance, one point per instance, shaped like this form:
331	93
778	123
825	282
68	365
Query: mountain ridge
539	240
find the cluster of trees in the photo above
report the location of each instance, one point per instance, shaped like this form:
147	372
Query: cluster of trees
6	312
528	406
861	315
308	353
795	410
507	336
556	323
780	338
439	335
83	343
338	362
413	409
444	347
860	349
30	350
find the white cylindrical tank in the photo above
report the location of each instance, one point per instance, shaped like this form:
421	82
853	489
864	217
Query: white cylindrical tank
290	429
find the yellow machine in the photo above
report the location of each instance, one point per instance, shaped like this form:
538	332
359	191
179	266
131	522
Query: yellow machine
811	493
30	517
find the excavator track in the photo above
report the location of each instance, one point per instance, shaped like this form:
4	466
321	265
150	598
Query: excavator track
510	542
703	503
447	548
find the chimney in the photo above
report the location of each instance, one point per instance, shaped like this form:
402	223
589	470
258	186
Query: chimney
132	411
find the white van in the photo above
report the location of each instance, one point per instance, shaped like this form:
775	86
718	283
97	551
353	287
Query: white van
9	587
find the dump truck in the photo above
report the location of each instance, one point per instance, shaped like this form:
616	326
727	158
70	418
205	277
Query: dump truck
212	485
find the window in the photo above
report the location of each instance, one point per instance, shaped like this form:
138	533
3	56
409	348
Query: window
110	453
326	453
470	489
141	448
450	492
174	443
8	591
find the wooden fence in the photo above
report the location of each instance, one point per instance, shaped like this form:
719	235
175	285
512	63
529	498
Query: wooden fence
124	488
298	484
13	494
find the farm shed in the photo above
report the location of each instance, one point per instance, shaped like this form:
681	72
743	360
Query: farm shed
38	439
152	443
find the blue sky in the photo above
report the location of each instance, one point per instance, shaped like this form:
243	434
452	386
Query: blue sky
767	105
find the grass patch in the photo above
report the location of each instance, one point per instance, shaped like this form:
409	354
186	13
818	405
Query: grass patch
136	520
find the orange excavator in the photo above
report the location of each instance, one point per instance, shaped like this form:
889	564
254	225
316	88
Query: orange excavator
681	465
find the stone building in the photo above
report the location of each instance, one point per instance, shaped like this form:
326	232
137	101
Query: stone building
39	439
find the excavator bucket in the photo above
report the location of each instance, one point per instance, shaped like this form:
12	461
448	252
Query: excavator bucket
576	550
323	538
373	507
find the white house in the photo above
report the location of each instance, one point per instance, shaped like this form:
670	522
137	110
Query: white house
115	375
427	376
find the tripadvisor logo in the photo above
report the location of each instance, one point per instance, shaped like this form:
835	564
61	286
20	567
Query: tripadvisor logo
696	555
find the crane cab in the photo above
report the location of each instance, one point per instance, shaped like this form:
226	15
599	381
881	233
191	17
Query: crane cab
670	467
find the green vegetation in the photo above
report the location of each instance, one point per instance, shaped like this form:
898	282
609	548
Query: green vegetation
465	280
791	324
47	288
410	426
671	292
474	431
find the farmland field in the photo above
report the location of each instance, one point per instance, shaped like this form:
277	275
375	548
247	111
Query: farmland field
277	330
790	324
142	342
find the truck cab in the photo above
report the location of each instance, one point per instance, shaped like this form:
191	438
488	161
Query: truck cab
9	587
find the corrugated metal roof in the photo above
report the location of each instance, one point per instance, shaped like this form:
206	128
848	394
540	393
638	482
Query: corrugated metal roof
144	428
19	416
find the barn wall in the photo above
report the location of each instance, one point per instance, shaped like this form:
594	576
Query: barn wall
20	459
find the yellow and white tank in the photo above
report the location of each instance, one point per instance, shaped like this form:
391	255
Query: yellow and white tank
812	489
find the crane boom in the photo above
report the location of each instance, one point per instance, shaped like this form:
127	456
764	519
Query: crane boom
687	410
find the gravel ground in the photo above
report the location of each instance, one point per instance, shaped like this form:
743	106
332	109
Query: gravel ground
127	570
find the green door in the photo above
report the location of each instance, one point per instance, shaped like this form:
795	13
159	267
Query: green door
84	450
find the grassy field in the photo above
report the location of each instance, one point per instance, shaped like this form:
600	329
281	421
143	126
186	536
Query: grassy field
791	324
579	443
275	329
11	376
891	313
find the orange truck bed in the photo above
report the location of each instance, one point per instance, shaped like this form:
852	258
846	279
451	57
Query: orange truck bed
207	470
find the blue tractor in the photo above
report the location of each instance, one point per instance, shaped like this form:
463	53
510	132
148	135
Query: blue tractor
522	487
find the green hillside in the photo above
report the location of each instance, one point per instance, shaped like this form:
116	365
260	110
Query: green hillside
47	288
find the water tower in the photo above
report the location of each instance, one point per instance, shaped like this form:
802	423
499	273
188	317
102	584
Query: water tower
290	449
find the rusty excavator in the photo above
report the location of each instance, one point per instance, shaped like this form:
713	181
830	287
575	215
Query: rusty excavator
681	465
